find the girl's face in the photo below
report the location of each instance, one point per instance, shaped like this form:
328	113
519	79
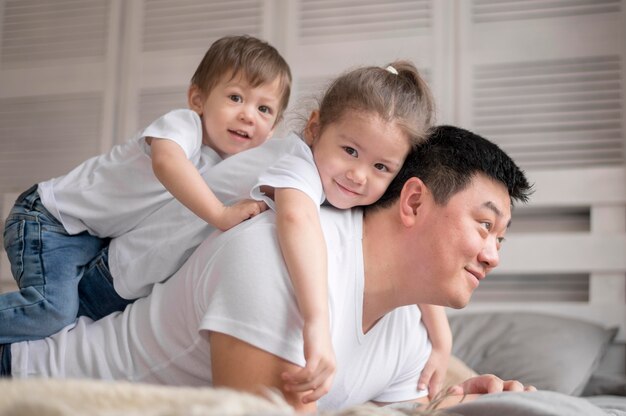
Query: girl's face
357	156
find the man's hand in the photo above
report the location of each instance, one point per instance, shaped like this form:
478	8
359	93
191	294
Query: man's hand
488	383
317	376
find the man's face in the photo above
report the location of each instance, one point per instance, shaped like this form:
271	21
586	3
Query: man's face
459	241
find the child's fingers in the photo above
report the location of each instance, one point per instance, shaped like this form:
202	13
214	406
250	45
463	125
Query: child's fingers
304	380
435	385
425	378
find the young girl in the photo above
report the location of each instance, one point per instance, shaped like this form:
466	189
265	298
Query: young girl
59	228
352	148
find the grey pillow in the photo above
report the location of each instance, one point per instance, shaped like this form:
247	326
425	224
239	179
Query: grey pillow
549	352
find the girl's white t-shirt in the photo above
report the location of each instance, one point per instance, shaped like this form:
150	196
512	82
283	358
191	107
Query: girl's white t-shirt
159	245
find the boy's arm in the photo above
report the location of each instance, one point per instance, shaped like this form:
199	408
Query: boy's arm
440	335
304	249
181	178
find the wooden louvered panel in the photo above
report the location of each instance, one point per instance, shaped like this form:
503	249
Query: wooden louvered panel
46	136
504	10
556	287
195	24
323	20
38	31
553	113
155	102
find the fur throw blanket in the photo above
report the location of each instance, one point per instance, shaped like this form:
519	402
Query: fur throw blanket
53	397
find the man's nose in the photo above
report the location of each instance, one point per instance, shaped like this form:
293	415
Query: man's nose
489	255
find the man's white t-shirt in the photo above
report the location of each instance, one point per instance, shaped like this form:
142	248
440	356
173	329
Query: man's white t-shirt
158	246
236	283
109	194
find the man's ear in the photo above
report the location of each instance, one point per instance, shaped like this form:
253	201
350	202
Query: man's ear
411	199
312	129
195	99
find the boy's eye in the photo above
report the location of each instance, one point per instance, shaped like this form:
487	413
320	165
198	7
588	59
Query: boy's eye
486	224
351	151
501	240
236	98
381	167
265	109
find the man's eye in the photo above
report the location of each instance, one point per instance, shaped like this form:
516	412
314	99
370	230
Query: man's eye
265	109
381	167
236	98
351	151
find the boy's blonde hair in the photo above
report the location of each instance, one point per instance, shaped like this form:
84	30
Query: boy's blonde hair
396	94
248	56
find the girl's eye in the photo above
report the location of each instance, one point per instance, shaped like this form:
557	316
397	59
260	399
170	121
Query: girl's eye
351	151
381	167
486	224
265	109
235	98
501	240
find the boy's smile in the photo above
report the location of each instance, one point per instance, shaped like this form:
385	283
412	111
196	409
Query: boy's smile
237	116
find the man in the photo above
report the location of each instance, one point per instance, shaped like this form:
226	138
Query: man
228	317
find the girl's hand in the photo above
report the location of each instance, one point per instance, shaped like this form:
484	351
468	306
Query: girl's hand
239	212
317	376
434	373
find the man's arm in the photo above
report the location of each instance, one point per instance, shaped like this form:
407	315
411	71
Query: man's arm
241	366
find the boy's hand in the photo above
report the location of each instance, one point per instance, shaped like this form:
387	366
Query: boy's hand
434	372
319	372
241	211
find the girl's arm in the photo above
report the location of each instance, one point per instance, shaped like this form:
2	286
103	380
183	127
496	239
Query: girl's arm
440	335
181	178
304	250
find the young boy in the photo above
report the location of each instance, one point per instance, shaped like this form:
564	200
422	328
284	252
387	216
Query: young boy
236	98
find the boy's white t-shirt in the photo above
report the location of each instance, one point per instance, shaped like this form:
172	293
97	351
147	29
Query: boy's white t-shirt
163	338
110	194
158	246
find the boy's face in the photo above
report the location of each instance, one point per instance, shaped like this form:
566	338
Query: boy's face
235	115
357	156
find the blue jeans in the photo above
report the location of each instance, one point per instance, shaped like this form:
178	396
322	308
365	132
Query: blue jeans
48	265
5	360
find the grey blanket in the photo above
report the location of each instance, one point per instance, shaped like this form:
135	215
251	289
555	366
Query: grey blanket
541	403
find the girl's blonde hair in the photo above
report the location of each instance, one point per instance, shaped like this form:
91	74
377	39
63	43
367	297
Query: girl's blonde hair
396	93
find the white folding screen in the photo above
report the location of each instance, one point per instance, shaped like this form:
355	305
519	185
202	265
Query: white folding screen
546	80
57	83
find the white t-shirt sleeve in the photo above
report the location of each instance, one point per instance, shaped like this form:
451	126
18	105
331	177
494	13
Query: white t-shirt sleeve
297	170
181	126
265	313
